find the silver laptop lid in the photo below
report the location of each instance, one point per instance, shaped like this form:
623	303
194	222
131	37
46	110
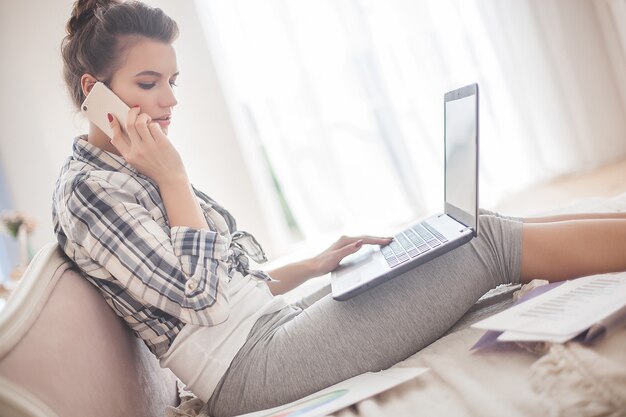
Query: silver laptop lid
461	155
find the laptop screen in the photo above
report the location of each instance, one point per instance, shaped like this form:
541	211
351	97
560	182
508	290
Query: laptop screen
461	150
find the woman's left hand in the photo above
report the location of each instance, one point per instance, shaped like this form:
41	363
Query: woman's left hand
290	276
328	260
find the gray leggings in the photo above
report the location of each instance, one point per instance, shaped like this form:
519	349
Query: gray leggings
314	344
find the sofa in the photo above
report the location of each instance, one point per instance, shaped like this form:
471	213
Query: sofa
63	352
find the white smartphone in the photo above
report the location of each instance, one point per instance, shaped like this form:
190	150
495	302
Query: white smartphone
101	101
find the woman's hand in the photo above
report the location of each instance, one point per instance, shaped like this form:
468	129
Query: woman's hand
328	260
144	146
292	275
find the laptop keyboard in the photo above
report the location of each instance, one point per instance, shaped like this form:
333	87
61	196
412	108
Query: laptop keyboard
411	243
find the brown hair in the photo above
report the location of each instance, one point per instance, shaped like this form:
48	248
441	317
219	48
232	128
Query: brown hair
97	36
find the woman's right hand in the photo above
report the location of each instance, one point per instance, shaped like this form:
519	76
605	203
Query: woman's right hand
146	148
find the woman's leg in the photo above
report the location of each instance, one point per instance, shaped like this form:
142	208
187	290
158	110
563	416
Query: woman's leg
294	353
576	216
558	217
567	246
568	249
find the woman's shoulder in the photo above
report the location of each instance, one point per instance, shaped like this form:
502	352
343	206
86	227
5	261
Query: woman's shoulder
75	174
93	185
91	166
77	171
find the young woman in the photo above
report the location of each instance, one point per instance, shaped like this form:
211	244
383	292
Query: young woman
170	261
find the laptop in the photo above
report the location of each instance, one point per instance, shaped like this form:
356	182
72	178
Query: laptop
437	234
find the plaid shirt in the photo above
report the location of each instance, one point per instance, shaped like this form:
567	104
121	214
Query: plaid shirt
110	220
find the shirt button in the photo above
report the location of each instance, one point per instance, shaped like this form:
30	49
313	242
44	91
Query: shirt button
191	285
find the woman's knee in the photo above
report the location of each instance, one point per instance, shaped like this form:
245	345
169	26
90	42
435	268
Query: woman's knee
499	244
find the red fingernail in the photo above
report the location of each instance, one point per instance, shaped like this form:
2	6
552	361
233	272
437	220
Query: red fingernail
136	105
110	117
359	243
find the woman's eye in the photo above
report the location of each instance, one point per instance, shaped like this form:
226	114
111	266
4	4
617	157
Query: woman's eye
173	84
146	86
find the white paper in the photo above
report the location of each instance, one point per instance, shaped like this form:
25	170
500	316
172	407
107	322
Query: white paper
343	394
509	336
563	312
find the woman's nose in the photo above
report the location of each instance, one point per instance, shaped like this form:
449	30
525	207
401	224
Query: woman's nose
169	99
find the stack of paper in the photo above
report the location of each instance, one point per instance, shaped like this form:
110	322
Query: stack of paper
592	304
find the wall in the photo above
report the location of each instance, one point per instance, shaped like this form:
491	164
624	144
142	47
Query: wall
39	122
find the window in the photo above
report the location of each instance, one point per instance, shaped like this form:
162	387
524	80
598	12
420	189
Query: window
344	101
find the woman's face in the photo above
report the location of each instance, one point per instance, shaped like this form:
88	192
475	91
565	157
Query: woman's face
146	79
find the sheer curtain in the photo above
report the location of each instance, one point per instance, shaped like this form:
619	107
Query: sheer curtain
343	99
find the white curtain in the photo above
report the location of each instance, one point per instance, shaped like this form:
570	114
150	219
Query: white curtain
344	98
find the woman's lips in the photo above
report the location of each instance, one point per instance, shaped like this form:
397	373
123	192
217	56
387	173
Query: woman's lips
163	122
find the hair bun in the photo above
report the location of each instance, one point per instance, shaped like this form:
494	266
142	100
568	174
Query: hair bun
83	12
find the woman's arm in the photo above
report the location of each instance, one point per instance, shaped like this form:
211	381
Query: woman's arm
292	275
176	271
181	204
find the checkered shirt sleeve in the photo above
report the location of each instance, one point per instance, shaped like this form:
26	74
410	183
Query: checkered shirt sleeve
180	271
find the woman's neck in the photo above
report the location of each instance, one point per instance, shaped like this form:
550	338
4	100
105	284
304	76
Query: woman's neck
99	139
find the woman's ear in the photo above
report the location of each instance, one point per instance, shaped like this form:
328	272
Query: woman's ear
87	81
